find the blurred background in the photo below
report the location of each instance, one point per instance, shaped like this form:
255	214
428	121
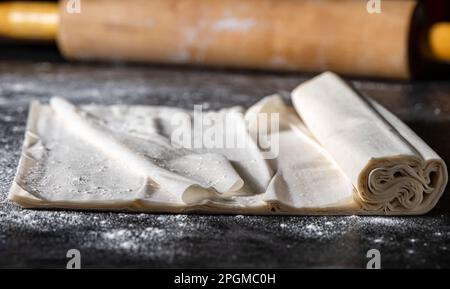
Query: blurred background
390	39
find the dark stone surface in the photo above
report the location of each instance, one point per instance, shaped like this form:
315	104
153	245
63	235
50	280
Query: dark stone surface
39	238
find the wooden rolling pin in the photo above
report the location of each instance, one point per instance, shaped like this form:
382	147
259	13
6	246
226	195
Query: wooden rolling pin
265	34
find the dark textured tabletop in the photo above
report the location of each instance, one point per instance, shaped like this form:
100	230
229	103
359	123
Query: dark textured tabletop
39	238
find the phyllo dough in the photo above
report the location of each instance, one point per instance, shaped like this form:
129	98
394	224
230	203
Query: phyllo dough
392	169
336	153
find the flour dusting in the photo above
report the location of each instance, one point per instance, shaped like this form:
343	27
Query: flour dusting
41	238
234	24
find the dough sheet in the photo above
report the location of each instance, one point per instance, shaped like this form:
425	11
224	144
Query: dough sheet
332	152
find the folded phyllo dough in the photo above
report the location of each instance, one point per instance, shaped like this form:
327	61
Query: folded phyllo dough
333	152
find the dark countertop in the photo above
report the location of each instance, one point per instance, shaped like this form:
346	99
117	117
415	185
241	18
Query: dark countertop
39	238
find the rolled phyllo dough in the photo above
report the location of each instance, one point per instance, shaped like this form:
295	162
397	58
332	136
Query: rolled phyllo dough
333	152
393	170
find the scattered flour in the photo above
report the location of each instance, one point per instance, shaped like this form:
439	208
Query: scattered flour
170	240
378	240
234	24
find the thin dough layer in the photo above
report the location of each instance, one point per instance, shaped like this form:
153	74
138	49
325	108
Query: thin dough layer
337	153
394	171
